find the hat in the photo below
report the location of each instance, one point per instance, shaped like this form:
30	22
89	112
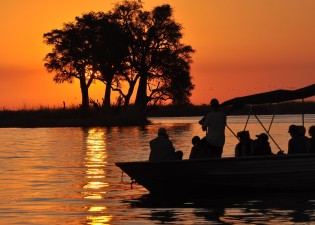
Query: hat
292	128
263	136
162	131
243	133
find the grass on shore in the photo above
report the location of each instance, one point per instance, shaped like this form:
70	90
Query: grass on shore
70	118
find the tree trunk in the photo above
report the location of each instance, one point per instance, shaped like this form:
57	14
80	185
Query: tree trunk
128	95
106	101
85	95
141	98
107	95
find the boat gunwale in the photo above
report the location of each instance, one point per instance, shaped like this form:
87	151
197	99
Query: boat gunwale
224	159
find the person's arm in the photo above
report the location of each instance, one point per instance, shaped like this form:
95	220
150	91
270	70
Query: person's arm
205	123
290	146
308	145
171	147
150	156
269	149
191	155
237	151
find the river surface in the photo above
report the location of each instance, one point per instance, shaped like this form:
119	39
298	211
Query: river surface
68	176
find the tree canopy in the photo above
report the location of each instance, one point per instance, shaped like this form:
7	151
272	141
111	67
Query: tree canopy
123	48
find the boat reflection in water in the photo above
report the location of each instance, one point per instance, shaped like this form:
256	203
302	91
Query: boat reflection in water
280	208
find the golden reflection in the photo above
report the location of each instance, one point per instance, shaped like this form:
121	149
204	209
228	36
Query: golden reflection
99	220
96	209
95	174
89	195
95	162
95	185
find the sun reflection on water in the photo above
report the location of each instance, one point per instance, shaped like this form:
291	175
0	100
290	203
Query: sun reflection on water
98	220
95	174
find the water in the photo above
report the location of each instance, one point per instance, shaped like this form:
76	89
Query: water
68	176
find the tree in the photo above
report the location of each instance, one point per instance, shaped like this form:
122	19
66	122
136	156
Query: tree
126	45
109	50
156	57
176	85
127	15
71	55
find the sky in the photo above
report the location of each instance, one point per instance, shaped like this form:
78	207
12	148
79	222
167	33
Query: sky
242	47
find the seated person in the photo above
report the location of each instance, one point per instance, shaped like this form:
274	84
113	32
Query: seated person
301	132
244	147
298	144
311	132
197	151
162	148
261	145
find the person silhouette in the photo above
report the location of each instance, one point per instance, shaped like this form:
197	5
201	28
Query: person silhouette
214	125
162	148
261	145
197	151
297	144
244	146
311	132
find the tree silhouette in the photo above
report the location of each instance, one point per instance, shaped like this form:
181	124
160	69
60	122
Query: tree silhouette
176	85
124	47
154	53
109	50
70	57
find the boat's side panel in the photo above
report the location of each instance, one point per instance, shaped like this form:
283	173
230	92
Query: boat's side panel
273	173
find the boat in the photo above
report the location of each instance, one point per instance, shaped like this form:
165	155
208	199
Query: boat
273	173
264	173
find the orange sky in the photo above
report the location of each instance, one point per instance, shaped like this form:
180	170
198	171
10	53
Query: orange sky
242	47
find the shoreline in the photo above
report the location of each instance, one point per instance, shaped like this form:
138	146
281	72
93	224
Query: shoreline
120	117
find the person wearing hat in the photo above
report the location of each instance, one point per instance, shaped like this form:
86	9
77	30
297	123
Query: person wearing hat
214	125
261	145
298	143
244	146
162	148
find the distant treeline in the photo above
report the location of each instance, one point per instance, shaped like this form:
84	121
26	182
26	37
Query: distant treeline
74	117
307	107
131	116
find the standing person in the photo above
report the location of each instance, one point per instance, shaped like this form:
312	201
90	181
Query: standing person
311	132
214	125
162	148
